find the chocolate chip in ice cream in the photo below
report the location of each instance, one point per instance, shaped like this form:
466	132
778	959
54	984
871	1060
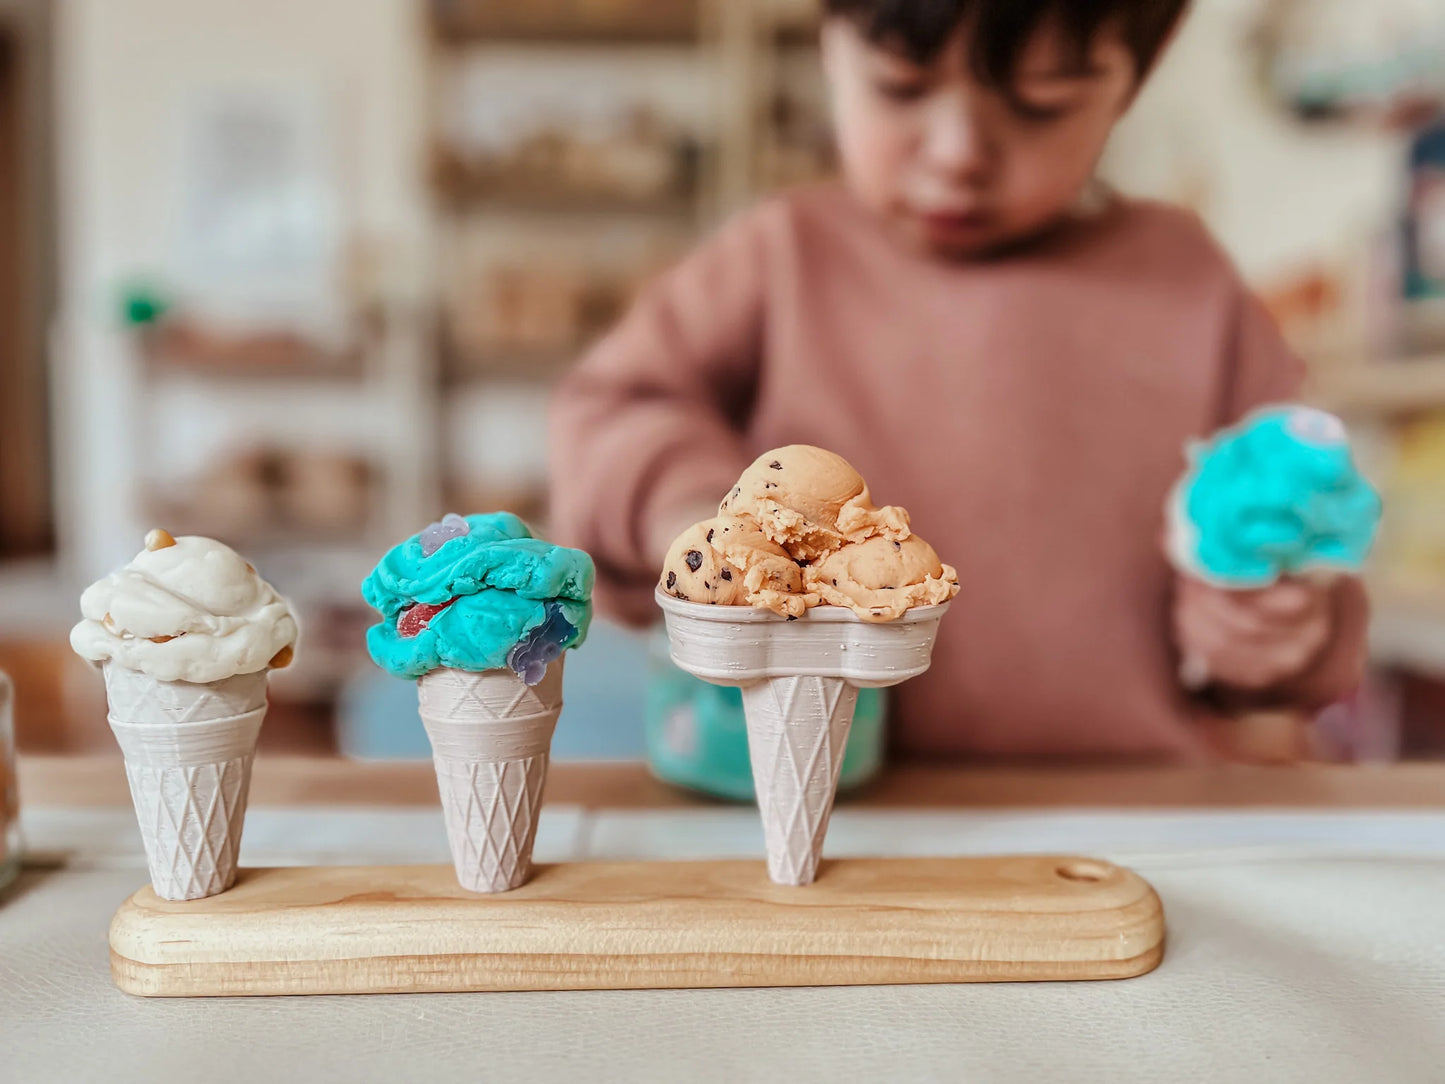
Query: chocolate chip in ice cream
671	580
776	465
694	559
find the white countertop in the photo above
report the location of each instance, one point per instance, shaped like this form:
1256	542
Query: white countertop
1303	945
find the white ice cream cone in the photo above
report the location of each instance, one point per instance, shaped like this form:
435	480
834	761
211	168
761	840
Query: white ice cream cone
797	730
491	734
188	751
800	682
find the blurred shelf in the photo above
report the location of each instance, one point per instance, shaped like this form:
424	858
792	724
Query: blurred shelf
545	366
799	32
542	183
577	23
459	189
542	203
1407	630
261	537
182	349
258	533
1393	386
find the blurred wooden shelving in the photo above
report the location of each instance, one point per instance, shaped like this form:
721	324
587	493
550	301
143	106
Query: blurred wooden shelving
180	348
566	204
1407	628
1385	386
666	22
540	366
595	199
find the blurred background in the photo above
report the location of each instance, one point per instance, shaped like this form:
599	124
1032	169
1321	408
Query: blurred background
298	274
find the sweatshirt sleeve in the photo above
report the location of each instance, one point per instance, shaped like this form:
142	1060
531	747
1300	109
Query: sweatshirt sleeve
648	427
1262	369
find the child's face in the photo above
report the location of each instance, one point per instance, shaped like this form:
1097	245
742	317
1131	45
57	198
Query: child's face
956	165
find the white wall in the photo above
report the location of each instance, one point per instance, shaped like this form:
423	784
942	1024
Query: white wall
125	69
1277	194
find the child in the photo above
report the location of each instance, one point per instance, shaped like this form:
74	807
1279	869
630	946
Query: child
998	346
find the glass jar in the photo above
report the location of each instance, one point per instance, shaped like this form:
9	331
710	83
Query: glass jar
9	799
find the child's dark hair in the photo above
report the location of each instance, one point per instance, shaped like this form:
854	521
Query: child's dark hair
1002	28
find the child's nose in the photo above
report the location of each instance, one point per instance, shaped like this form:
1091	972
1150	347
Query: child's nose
956	140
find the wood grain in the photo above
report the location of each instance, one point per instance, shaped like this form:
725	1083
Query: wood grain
636	925
278	780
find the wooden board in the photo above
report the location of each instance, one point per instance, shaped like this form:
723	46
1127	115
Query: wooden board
634	925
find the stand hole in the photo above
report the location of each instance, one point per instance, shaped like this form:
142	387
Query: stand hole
1083	871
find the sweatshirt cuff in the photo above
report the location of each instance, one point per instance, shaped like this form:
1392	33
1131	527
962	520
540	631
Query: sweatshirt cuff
1340	667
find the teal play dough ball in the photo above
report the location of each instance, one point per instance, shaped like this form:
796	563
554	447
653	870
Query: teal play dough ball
1279	494
488	585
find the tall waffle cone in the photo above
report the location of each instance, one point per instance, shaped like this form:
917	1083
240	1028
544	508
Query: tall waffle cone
490	734
797	731
188	751
800	682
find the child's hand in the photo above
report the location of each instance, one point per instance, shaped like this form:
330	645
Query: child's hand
1251	640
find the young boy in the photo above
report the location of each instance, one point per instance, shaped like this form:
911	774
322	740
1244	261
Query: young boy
1013	355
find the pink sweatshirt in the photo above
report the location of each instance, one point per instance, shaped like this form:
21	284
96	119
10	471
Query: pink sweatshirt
1029	410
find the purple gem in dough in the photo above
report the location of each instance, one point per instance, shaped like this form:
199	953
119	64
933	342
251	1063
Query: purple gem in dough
439	534
545	643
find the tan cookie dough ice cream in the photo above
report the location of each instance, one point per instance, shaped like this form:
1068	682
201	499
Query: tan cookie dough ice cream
728	561
811	501
883	578
800	592
800	530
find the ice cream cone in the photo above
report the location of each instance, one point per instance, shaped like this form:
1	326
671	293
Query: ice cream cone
490	734
188	749
800	682
797	730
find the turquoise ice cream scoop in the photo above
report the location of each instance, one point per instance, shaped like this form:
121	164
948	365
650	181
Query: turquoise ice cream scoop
1279	494
478	593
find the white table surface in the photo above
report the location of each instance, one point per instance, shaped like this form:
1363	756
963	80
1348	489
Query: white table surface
1303	945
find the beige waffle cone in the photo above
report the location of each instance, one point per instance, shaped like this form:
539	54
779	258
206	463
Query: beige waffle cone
797	730
188	751
490	734
800	682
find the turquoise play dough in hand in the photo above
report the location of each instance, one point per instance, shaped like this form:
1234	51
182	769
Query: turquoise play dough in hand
478	593
1276	495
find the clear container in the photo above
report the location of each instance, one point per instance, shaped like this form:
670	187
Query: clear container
9	799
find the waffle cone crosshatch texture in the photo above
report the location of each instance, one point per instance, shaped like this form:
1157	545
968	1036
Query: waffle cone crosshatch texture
643	925
490	735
